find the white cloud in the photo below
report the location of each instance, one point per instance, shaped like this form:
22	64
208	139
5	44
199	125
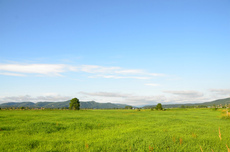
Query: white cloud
51	94
59	69
193	94
137	100
187	96
119	77
44	69
152	84
157	74
112	70
131	99
221	91
51	98
106	94
12	74
130	71
117	97
94	69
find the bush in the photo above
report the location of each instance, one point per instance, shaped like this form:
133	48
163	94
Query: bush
153	108
214	109
182	106
159	107
74	104
128	107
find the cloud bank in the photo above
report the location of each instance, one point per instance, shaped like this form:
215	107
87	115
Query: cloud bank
25	98
221	91
190	94
43	69
134	99
177	97
60	69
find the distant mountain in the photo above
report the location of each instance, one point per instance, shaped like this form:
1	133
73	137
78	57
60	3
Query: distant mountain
96	105
218	102
215	102
65	104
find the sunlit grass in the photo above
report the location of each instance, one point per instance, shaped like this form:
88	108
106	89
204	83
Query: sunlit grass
113	130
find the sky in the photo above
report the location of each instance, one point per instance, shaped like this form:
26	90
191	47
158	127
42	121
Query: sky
121	51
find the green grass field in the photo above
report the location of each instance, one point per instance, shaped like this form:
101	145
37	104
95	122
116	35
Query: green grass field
114	130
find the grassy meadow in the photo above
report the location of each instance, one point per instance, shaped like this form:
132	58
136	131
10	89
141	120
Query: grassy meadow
174	130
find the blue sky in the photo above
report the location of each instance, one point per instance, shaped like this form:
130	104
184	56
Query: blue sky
132	52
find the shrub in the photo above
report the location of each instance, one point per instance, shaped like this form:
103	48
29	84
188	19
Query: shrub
159	107
74	104
153	108
214	109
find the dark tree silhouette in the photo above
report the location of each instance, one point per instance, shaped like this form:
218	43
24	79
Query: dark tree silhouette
159	107
74	104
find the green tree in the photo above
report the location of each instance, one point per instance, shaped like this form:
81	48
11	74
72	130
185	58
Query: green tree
22	108
128	107
159	107
182	106
74	104
153	108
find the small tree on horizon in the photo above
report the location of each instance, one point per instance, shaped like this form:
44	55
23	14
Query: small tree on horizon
128	107
74	104
22	108
182	106
159	107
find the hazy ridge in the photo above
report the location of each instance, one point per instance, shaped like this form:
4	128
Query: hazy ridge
65	104
97	105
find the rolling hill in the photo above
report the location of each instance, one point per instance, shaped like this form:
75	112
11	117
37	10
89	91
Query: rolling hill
96	105
215	102
65	104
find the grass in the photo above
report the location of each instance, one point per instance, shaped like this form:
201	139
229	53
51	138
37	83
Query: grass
114	130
